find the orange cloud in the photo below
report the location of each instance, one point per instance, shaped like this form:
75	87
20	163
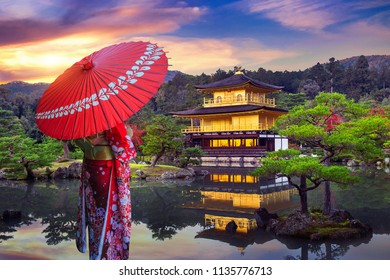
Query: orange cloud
45	60
197	55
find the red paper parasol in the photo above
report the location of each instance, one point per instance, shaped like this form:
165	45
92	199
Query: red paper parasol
101	90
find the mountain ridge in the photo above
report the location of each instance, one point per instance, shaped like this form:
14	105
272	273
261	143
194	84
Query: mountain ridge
374	61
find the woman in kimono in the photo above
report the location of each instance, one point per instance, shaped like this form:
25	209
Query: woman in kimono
104	200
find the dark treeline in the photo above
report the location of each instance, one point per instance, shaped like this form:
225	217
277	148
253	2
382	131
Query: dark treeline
21	99
365	79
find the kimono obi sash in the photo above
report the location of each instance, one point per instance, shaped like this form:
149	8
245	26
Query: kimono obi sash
100	151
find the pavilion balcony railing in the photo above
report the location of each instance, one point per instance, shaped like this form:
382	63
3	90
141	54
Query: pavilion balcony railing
251	100
225	128
234	151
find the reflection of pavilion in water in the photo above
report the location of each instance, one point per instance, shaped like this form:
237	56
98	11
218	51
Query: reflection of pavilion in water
232	196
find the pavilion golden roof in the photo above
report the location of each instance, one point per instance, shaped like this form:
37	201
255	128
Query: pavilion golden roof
226	109
238	80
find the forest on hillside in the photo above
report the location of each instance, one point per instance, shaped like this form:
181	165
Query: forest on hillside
365	79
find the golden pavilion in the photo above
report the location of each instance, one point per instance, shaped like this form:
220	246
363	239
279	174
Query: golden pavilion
234	126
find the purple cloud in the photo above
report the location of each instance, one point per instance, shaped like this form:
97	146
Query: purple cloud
8	76
27	30
129	18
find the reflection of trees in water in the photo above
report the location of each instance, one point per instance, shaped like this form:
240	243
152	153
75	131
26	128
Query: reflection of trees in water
9	226
60	215
60	228
160	208
328	250
367	201
14	197
4	230
61	221
378	219
55	206
308	249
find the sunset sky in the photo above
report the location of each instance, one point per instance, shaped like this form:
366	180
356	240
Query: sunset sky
39	39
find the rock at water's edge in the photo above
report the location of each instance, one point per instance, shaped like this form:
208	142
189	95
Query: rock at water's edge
339	226
262	217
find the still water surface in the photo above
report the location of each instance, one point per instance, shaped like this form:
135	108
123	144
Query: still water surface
177	220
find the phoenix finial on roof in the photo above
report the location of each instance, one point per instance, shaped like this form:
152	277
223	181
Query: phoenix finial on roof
238	70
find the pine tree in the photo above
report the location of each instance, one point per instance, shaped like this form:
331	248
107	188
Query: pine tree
20	154
361	79
332	125
10	125
319	74
336	73
163	137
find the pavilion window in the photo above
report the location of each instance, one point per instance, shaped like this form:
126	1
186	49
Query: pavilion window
220	143
235	142
237	178
249	142
220	178
250	179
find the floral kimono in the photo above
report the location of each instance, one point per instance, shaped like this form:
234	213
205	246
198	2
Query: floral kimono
104	199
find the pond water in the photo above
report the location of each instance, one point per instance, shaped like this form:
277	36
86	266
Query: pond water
179	220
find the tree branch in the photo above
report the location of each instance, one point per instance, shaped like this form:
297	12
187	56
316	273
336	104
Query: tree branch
316	185
292	183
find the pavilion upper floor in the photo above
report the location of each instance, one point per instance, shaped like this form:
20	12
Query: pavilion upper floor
238	97
230	119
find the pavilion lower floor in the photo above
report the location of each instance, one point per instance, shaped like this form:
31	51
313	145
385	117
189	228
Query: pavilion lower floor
235	149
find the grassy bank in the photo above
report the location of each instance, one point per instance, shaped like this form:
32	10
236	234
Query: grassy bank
155	171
